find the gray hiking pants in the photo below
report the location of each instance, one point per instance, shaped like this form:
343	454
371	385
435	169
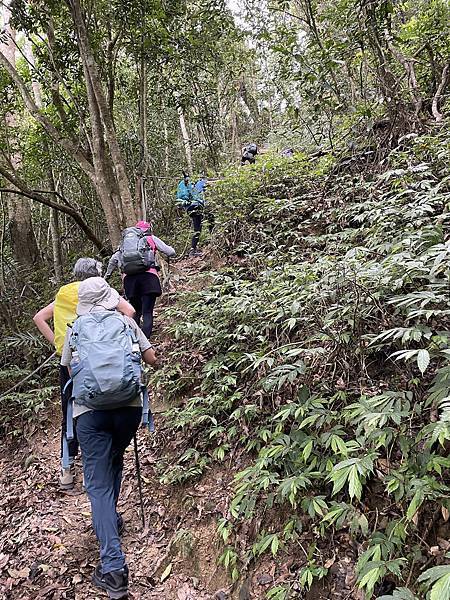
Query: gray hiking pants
103	436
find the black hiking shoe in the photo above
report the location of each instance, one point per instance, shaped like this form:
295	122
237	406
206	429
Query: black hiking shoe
115	583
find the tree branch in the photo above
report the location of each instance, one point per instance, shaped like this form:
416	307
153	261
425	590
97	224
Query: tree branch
21	189
441	87
51	130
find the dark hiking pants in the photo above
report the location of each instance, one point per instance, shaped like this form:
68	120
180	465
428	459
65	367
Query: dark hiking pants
103	436
197	218
144	305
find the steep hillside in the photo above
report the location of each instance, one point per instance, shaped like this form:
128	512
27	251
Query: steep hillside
313	367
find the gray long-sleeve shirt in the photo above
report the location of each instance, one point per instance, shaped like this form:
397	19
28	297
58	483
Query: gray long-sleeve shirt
115	262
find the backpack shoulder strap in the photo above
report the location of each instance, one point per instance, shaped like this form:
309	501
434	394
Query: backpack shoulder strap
151	242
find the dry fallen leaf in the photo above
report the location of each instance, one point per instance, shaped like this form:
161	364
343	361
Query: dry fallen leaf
3	560
167	572
20	574
77	578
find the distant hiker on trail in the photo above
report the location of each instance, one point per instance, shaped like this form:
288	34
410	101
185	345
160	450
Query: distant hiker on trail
136	258
287	153
192	199
249	153
63	312
103	351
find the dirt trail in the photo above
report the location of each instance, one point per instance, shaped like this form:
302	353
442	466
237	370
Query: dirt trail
47	545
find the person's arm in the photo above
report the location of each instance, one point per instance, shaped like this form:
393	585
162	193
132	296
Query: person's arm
162	247
66	355
147	353
125	308
149	356
40	319
113	264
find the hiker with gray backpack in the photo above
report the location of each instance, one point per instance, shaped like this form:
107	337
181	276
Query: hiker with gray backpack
63	312
137	260
248	156
103	351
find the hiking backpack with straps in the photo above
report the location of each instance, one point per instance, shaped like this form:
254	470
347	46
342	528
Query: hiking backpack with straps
105	368
137	253
106	361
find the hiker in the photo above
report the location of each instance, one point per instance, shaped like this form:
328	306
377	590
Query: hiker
136	258
103	351
199	190
115	262
193	202
249	153
287	153
63	312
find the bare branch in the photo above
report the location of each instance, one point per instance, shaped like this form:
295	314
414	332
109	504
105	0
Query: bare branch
440	90
51	130
21	189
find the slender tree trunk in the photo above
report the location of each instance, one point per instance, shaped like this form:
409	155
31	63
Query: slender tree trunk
143	132
186	139
440	90
166	145
104	175
54	218
93	80
23	241
56	235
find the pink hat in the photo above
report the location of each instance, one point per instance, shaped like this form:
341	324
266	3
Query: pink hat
144	225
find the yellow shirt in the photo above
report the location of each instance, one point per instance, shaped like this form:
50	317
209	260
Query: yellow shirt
64	312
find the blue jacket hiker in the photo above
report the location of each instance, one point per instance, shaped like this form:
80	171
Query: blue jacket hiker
103	351
192	199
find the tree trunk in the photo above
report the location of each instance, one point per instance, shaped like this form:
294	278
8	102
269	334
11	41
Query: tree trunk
186	140
54	218
166	144
143	131
94	83
23	241
56	235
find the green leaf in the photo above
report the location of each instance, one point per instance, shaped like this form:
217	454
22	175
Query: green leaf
354	483
307	450
370	578
415	504
275	545
441	589
423	360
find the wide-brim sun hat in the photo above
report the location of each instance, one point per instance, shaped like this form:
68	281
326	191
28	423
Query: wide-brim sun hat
95	293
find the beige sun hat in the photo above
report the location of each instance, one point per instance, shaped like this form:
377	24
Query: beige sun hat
95	293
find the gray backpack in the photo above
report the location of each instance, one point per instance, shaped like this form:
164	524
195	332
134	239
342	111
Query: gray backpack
137	254
106	361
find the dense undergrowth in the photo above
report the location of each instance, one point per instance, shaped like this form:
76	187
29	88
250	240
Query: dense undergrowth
315	363
23	349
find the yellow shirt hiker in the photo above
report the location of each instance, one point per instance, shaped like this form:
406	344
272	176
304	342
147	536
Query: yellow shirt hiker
64	312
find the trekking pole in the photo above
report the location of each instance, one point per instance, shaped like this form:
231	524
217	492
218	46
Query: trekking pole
138	473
